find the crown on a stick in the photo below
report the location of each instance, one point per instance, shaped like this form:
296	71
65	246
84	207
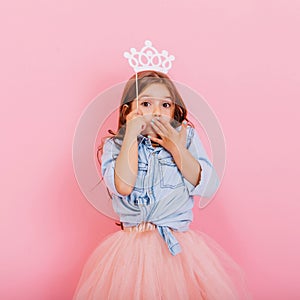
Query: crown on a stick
149	59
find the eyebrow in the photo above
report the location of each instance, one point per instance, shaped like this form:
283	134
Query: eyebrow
149	96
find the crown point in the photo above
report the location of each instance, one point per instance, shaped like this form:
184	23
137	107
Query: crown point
148	58
149	53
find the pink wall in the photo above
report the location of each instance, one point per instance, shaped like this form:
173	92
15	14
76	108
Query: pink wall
242	56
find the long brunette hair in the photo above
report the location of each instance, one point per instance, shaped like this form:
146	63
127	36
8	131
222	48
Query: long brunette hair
144	79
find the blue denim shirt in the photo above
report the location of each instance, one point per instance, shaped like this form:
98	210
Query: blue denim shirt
161	194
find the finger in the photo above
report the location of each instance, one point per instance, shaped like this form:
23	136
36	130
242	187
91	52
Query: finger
156	140
157	128
130	115
164	120
143	126
183	130
166	123
157	122
164	131
133	114
184	126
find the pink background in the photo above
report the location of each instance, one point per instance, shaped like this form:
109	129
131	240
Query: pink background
242	56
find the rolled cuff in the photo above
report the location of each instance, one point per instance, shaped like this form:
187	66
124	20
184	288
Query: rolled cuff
109	156
209	181
109	180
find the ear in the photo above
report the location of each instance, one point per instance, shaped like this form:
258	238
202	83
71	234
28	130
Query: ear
123	113
181	111
125	107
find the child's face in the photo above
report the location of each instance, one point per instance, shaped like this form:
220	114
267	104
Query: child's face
155	101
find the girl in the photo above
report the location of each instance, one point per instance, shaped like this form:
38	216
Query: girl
153	166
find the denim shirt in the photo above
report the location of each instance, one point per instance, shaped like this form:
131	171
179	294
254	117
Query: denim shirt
161	194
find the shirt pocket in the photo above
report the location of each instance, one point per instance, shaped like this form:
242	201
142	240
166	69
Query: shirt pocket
170	175
140	179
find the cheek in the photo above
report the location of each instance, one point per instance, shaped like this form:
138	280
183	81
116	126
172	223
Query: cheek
169	113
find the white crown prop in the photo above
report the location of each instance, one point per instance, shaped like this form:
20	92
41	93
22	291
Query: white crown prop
149	59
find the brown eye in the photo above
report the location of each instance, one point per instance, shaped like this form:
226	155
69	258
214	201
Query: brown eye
166	105
145	104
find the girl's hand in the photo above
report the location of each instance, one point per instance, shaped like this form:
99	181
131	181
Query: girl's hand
171	139
135	122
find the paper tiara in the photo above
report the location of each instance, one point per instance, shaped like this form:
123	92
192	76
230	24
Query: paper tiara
149	59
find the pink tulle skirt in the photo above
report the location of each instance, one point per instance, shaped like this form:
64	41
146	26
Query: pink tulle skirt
139	266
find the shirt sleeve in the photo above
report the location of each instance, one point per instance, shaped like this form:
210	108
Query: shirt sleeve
108	161
209	181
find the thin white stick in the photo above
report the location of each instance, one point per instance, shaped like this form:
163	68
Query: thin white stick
137	91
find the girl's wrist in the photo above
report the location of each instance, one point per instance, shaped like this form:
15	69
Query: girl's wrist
130	134
177	153
132	129
178	150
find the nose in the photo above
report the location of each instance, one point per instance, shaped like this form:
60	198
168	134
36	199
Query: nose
156	109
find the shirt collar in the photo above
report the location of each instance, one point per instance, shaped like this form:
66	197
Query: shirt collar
146	141
142	139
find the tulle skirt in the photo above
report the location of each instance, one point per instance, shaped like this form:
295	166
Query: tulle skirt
139	266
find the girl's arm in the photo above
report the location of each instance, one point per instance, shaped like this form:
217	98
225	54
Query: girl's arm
187	165
175	143
192	162
126	166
